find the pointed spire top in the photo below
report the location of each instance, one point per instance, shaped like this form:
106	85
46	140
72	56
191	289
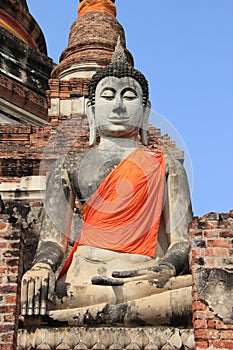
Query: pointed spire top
119	53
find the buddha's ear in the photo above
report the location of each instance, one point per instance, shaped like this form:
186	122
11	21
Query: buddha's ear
143	130
92	123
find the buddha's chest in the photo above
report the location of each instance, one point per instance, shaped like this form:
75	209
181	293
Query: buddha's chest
93	169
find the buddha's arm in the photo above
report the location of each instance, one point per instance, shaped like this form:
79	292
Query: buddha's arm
58	211
177	216
38	283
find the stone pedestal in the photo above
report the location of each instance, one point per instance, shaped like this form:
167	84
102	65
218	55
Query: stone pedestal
147	338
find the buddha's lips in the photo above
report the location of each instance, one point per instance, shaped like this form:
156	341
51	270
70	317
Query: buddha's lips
118	120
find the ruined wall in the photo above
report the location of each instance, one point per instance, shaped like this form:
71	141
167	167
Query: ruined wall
211	239
22	146
10	280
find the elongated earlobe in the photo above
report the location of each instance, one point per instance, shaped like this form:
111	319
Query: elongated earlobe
143	130
92	124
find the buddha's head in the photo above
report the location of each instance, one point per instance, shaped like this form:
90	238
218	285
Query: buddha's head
118	100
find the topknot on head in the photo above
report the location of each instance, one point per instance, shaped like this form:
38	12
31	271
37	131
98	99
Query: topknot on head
120	68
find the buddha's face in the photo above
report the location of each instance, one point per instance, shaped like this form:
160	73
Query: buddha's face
118	107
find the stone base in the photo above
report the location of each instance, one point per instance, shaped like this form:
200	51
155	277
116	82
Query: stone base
73	338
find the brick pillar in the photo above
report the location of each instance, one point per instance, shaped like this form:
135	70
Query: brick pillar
211	260
10	280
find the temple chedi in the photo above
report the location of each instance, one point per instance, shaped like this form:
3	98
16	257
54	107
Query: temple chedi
25	67
42	117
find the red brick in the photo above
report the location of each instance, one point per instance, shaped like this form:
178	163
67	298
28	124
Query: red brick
3	270
12	262
212	324
218	243
11	253
7	347
226	234
13	270
9	235
198	252
11	299
7	309
207	334
7	338
12	279
221	344
211	233
203	315
14	245
202	344
228	335
7	327
197	305
8	289
217	252
2	225
9	318
195	232
200	324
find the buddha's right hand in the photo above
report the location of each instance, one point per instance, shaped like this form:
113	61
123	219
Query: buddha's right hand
38	285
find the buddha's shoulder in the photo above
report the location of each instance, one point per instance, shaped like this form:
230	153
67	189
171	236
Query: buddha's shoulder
73	161
68	164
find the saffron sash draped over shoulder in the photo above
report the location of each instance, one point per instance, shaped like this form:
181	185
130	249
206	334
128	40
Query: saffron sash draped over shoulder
124	212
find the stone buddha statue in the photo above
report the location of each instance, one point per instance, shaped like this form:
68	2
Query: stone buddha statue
129	264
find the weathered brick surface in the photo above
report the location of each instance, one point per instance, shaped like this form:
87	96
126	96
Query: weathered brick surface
22	147
211	240
92	46
11	273
21	155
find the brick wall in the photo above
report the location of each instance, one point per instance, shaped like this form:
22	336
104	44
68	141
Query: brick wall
211	241
211	254
10	280
23	146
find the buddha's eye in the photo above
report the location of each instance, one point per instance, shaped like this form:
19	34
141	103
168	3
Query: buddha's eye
107	94
130	95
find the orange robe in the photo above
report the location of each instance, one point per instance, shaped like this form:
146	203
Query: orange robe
97	5
124	212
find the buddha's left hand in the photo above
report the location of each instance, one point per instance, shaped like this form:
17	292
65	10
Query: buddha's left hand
121	277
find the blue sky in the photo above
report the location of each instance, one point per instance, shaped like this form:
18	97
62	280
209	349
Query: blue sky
185	49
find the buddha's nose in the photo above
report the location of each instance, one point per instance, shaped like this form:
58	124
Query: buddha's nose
119	108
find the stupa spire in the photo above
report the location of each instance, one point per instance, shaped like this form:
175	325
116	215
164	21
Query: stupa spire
86	6
92	38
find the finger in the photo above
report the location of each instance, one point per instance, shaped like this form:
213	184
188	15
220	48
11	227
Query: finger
44	295
31	290
161	272
37	296
143	277
130	273
124	274
106	281
52	281
24	296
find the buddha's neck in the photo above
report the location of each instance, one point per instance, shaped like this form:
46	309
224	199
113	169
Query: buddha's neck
117	142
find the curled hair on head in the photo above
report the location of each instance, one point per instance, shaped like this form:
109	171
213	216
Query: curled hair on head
119	68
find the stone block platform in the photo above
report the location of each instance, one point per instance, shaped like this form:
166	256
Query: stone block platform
73	338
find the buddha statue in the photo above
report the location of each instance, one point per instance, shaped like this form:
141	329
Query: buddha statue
129	265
